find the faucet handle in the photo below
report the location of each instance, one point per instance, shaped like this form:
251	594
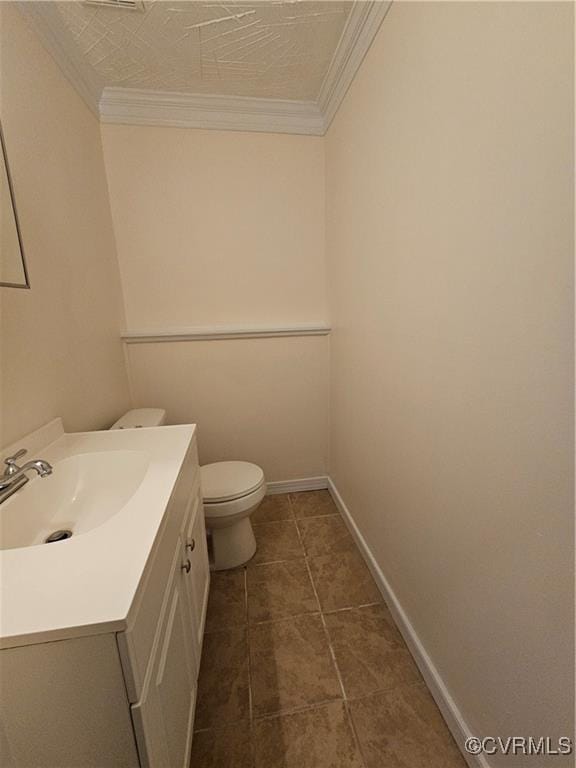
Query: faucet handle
11	466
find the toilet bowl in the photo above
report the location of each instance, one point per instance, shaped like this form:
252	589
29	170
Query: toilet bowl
231	491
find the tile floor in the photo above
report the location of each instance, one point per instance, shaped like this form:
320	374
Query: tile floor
303	666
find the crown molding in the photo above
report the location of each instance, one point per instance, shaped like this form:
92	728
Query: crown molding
228	113
361	27
43	18
134	106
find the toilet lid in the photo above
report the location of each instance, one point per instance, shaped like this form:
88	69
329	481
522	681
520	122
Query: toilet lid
227	480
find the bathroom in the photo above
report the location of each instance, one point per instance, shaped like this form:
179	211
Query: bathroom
338	238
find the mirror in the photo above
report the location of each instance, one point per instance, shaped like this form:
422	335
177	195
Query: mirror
12	265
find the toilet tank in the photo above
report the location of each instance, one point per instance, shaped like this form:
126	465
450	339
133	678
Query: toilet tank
141	417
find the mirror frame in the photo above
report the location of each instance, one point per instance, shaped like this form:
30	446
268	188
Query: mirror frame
26	284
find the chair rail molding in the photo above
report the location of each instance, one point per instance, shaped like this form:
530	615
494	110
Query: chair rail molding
219	332
134	106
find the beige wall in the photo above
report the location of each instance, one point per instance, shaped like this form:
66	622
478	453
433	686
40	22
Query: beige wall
217	227
449	241
450	246
60	348
261	400
222	228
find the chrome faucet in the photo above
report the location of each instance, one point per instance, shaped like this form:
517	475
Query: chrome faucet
15	477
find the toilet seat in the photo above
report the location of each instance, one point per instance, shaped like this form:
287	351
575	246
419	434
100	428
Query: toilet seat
219	514
225	481
231	491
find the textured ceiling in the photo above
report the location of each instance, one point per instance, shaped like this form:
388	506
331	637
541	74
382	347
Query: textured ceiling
268	49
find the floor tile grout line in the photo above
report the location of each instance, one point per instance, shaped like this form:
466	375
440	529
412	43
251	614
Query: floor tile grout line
280	619
381	691
326	634
297	710
256	564
248	646
317	517
333	656
300	521
355	733
308	707
249	663
297	520
353	607
276	562
346	702
213	728
274	522
303	708
291	617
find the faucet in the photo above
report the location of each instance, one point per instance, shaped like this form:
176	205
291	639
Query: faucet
15	477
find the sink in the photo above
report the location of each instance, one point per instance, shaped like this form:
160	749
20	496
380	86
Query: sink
111	489
82	493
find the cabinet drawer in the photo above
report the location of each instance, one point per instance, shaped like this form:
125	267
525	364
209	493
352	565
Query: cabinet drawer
135	644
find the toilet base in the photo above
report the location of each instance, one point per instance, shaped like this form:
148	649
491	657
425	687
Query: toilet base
232	546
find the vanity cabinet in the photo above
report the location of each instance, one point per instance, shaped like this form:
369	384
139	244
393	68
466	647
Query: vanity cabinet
123	699
198	584
164	715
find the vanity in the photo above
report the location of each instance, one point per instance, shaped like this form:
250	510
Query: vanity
101	633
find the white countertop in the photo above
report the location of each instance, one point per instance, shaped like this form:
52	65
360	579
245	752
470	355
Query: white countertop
86	585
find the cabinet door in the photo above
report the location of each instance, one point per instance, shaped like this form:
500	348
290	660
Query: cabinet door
198	579
164	716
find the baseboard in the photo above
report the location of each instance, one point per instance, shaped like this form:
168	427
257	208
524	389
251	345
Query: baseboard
293	486
438	689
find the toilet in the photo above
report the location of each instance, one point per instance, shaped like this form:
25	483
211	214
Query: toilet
231	491
141	417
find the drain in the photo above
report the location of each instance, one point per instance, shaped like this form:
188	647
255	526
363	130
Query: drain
58	536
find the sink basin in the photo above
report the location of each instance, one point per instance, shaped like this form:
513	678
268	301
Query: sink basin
82	493
111	490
